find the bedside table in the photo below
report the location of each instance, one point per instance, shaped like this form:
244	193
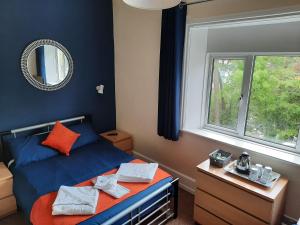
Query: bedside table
119	139
7	200
222	198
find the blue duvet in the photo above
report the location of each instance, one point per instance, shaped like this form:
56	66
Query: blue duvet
39	178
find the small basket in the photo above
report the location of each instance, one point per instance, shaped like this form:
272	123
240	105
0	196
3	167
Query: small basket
219	158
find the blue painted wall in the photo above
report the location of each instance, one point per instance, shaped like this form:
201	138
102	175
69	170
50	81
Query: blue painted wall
85	28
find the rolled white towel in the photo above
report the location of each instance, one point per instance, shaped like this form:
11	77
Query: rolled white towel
75	201
109	185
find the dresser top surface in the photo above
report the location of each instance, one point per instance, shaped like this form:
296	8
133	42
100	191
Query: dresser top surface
219	173
4	172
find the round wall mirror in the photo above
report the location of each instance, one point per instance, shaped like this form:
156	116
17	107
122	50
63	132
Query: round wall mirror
47	65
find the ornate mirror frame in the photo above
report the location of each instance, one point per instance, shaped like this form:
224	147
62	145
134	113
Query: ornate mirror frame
29	77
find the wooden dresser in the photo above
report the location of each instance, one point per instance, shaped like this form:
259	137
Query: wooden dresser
222	198
119	139
7	199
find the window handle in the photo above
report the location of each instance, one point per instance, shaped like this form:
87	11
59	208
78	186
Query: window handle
241	97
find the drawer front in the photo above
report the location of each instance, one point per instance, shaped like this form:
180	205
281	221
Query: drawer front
7	206
225	211
125	145
205	218
235	196
6	188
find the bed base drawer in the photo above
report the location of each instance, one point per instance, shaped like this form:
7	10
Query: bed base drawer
225	211
7	206
6	188
203	217
236	196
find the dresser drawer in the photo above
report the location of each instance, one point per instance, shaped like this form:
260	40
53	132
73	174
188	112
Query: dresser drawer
6	188
235	196
125	145
225	211
7	206
203	217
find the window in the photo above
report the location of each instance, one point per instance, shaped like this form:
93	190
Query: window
267	109
242	79
226	87
274	109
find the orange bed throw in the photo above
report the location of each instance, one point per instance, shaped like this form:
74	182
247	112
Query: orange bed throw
41	212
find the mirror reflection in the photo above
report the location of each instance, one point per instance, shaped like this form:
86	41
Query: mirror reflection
48	65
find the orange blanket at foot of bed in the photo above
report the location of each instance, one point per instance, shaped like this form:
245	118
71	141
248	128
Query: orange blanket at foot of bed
41	212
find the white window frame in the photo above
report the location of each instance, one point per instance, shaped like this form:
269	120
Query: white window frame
249	58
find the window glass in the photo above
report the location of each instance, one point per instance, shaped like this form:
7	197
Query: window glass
274	107
226	86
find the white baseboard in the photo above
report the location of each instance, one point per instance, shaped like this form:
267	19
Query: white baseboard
187	183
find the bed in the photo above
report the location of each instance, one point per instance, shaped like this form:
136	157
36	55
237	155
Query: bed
155	204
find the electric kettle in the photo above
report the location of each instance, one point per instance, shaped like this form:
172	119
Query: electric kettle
243	164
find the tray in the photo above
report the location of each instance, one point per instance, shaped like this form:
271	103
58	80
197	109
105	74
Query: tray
230	168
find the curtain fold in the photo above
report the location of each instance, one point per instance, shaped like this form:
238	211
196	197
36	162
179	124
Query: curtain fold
170	73
41	64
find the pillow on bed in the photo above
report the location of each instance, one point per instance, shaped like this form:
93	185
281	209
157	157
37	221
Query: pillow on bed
87	134
27	149
61	138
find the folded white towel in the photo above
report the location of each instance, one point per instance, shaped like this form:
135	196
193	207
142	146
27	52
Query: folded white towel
109	185
75	201
137	172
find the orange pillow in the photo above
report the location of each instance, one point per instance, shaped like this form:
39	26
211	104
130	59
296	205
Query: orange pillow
61	139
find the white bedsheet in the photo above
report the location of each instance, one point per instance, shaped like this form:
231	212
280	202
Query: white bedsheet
109	185
75	201
137	172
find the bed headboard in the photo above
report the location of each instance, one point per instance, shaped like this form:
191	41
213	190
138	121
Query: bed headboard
36	129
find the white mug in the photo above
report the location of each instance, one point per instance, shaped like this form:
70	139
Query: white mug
267	175
260	169
254	174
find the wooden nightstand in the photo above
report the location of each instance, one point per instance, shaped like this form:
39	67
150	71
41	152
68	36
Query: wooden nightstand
7	200
222	198
119	139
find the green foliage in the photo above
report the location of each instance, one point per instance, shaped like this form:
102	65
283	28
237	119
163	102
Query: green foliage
227	83
274	108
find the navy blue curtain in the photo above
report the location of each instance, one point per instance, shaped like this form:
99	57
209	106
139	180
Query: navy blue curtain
170	73
40	63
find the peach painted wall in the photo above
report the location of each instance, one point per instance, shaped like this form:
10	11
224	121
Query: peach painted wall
137	45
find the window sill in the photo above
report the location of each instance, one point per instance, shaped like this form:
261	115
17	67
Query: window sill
277	153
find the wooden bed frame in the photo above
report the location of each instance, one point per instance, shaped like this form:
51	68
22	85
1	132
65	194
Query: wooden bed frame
159	212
